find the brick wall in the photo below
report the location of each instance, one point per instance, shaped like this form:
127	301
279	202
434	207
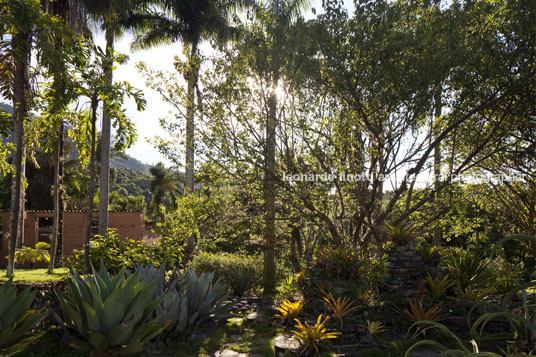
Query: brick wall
129	224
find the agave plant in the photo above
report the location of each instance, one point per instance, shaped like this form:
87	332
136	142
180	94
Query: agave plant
16	319
190	299
312	336
105	314
289	310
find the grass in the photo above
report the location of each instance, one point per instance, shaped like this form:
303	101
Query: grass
34	275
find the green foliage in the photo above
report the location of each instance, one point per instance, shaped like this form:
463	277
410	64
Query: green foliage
103	313
340	262
33	255
311	337
240	271
468	269
191	299
16	320
117	253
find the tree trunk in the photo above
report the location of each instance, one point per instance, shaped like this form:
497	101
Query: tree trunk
58	180
193	74
269	192
21	87
106	143
438	233
94	106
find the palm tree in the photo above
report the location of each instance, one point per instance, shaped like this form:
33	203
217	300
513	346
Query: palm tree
190	22
282	13
163	188
113	17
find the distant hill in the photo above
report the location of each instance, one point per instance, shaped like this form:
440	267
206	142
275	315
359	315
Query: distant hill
130	163
118	162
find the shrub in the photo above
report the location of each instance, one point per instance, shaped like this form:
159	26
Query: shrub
242	272
115	253
31	255
107	314
15	318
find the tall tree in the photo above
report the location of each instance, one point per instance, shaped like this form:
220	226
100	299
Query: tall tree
190	22
112	17
277	16
27	27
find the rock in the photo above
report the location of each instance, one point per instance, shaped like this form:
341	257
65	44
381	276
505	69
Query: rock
286	343
229	353
257	316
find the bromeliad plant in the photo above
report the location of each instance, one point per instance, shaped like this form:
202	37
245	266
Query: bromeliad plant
341	262
16	319
106	314
401	234
438	287
340	307
288	310
419	313
311	337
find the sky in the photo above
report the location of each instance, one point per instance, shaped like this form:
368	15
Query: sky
157	58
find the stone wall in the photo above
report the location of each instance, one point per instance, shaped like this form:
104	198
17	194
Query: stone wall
404	271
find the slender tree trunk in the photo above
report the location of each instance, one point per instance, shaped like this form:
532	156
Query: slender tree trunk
269	191
106	143
59	239
94	106
21	87
193	75
190	118
57	208
438	233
